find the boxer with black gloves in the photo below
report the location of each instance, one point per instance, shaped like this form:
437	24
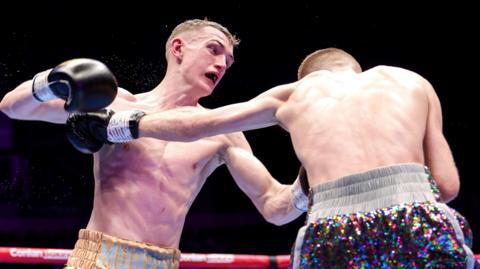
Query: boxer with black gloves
145	188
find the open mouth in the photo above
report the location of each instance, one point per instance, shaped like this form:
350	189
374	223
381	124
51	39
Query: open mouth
212	76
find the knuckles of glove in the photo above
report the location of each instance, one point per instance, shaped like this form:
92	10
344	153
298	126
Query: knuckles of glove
87	131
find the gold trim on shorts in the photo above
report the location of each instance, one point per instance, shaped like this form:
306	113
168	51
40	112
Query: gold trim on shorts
95	250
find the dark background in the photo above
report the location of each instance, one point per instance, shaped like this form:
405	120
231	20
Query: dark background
46	186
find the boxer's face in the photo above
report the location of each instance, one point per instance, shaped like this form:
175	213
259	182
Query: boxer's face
206	55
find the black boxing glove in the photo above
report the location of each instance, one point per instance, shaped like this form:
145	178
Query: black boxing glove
86	85
89	131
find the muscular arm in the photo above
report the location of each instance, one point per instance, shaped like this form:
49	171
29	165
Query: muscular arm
188	125
438	156
20	104
272	199
74	85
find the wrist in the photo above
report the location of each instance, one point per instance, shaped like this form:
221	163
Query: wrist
123	126
41	90
299	198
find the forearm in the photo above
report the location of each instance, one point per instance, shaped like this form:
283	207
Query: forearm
192	123
175	125
20	104
273	200
279	208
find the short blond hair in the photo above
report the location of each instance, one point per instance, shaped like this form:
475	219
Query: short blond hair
327	59
195	24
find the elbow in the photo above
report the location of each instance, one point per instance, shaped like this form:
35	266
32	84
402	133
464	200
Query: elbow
278	207
8	104
279	218
272	216
447	180
284	219
277	223
450	193
12	111
13	108
447	198
275	220
5	107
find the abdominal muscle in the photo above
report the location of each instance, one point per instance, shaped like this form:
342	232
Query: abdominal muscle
145	188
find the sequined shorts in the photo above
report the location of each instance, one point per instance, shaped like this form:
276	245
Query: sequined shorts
384	218
97	250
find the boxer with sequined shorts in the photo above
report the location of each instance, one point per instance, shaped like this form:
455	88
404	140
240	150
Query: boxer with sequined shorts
383	218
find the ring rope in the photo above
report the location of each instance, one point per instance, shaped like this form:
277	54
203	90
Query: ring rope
25	255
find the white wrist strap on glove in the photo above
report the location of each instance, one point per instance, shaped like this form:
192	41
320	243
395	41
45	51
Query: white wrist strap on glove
299	199
118	130
40	87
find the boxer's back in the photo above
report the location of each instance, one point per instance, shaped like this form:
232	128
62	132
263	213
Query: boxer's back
344	123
